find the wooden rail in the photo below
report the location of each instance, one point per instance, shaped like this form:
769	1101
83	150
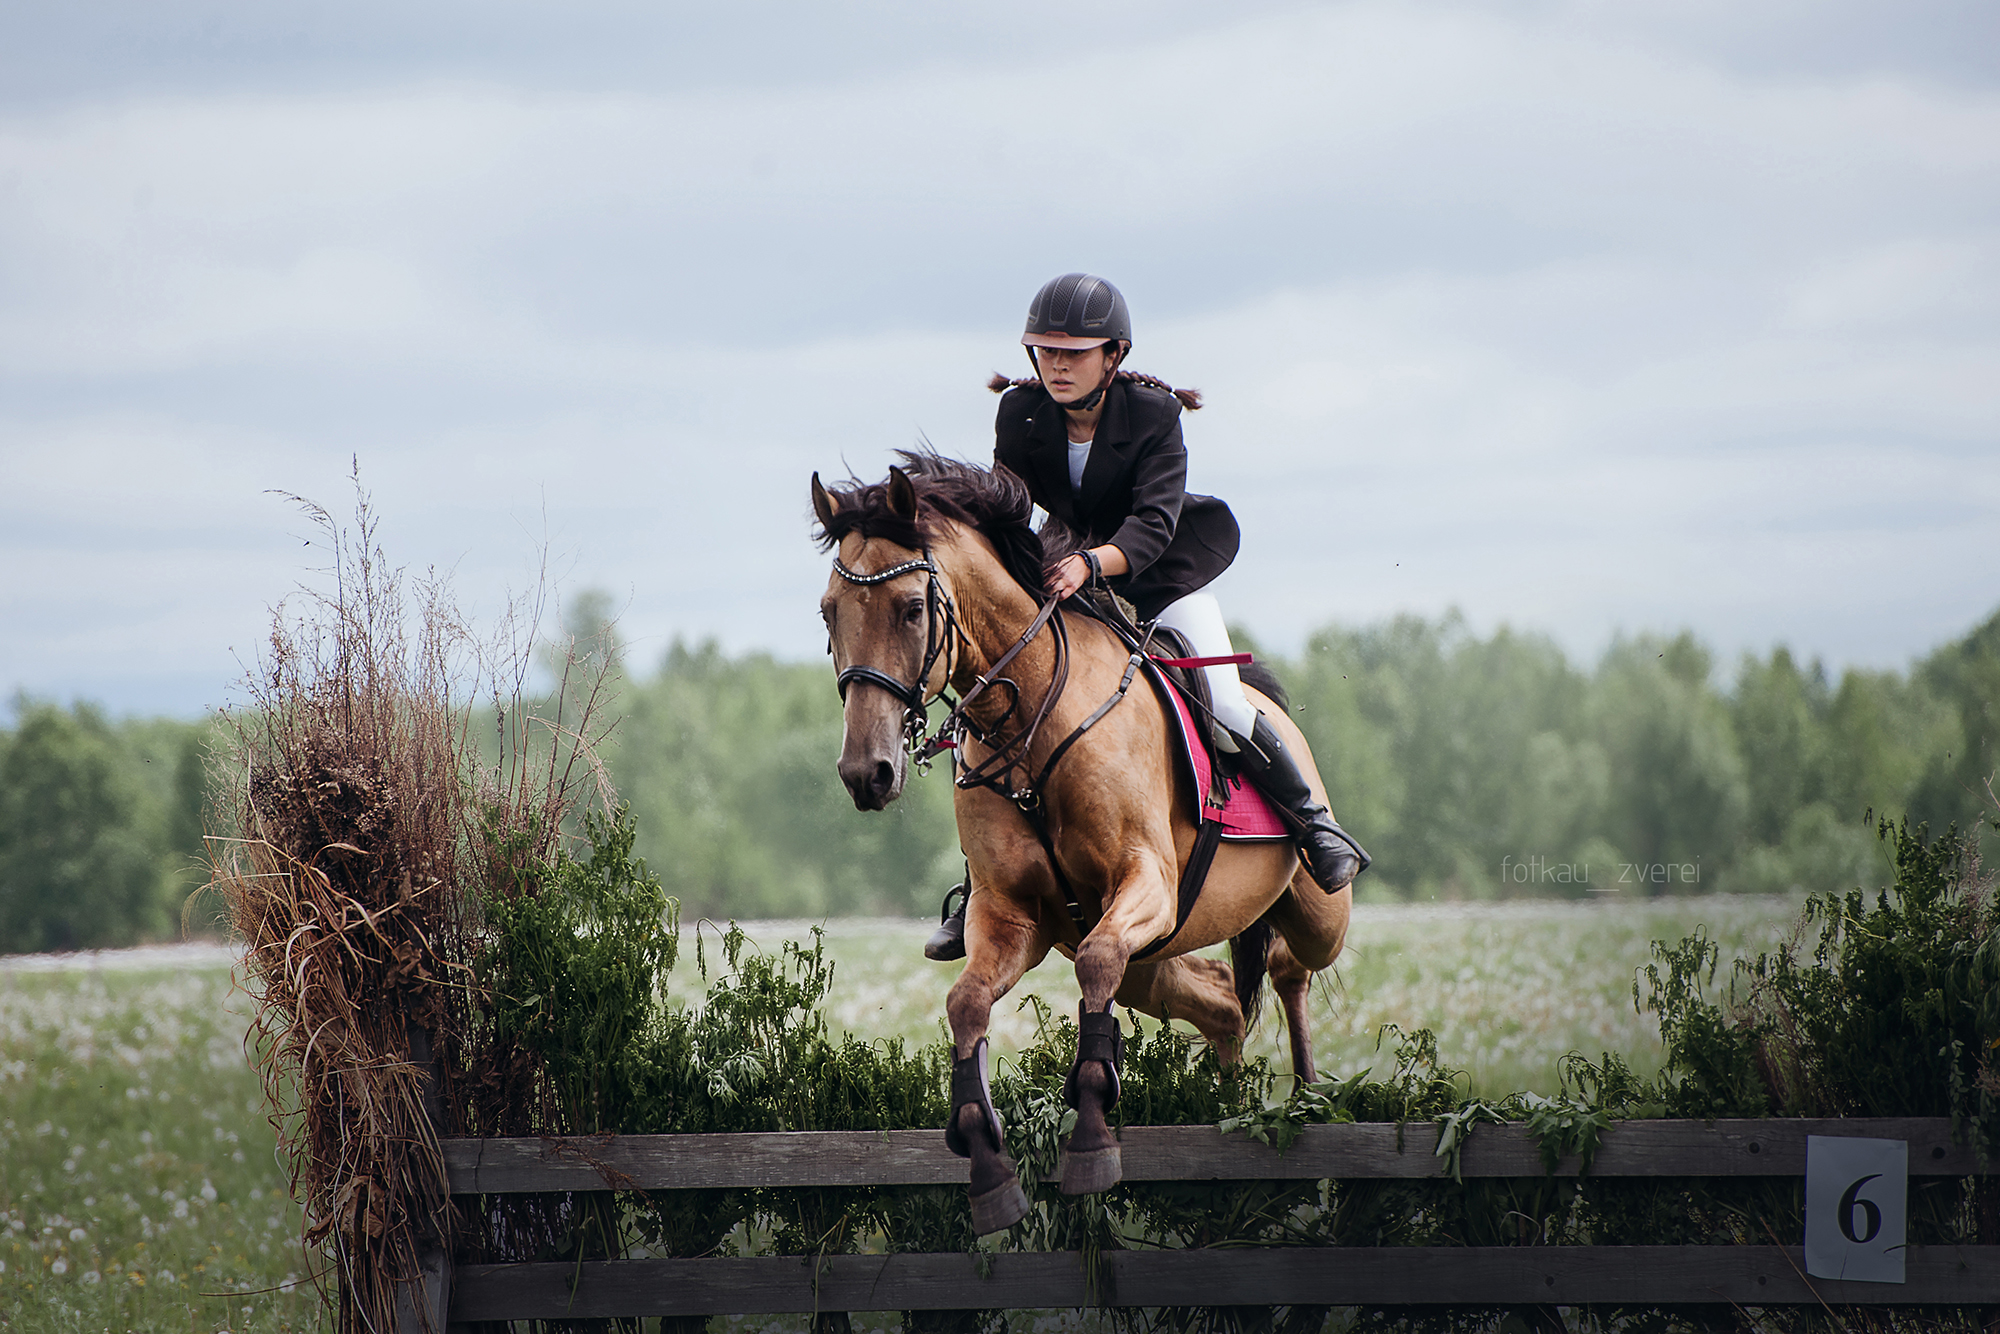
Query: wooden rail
1331	1276
1169	1153
1335	1276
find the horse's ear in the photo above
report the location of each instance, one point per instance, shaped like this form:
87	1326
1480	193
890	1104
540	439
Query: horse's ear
824	505
902	494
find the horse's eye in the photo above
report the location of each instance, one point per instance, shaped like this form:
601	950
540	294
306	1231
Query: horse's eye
913	613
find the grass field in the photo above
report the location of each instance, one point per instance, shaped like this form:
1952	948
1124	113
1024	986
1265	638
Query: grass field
138	1182
1508	988
138	1185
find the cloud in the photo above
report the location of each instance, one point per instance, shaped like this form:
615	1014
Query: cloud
1576	315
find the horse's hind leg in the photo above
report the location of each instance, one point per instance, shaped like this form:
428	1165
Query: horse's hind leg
1292	981
1312	928
1201	991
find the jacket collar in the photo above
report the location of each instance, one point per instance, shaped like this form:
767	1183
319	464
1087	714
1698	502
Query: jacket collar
1108	448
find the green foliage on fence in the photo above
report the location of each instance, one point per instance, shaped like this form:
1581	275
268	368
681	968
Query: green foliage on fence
1886	1007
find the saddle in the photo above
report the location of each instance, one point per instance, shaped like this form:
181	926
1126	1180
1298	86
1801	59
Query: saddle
1221	793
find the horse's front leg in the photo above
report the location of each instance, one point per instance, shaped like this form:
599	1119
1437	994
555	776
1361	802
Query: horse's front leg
1001	944
1139	912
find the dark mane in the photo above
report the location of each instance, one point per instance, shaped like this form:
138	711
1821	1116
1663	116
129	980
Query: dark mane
993	502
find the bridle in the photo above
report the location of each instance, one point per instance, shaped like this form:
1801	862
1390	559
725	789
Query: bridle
937	640
942	634
1008	754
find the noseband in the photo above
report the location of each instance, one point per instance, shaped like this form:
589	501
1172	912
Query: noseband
916	709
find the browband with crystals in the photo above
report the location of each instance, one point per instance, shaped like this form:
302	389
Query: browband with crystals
883	576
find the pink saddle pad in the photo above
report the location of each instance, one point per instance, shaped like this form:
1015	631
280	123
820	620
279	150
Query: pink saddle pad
1246	814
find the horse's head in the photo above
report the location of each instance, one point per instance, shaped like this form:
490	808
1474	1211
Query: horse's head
889	630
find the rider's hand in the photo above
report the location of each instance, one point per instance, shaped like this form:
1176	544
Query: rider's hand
1067	575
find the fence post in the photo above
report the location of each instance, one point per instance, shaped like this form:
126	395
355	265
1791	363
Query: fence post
422	1304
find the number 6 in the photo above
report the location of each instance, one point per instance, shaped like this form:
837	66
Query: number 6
1846	1213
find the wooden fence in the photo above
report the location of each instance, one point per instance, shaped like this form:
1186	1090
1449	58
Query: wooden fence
1338	1276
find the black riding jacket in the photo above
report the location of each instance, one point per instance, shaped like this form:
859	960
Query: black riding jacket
1134	492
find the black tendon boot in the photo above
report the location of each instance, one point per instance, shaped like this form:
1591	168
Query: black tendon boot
1331	854
948	941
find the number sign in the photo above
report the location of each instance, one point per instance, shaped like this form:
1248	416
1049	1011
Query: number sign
1857	1192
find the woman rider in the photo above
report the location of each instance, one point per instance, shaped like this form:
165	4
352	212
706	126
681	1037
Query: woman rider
1101	451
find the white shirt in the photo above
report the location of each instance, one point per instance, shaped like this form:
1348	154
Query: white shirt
1079	454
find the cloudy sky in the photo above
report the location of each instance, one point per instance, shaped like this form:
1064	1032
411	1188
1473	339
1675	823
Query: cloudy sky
1582	317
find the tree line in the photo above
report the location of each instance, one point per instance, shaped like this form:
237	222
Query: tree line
100	826
1471	766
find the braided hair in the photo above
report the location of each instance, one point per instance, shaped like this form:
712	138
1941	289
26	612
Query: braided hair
1190	398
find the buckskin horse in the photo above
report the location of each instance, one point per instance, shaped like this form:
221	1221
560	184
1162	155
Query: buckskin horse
1075	821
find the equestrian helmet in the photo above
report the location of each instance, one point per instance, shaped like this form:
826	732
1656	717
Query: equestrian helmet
1077	310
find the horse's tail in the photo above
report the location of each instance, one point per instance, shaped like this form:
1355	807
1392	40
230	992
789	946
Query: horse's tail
1246	961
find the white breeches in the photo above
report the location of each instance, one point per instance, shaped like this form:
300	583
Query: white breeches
1199	617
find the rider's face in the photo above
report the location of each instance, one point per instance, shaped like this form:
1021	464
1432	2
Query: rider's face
1070	374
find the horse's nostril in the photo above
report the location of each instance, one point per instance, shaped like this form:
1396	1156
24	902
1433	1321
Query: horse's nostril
884	778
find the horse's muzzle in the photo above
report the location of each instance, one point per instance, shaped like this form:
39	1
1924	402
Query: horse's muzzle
873	783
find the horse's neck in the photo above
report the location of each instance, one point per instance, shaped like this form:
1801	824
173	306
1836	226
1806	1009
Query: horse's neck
993	611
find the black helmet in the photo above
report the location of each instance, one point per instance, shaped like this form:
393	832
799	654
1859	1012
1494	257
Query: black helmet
1077	310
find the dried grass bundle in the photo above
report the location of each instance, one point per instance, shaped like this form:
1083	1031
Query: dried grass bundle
369	828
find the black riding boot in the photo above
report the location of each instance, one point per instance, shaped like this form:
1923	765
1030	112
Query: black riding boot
1332	855
948	941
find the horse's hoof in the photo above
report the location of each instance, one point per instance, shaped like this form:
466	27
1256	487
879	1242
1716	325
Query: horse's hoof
1000	1208
1089	1172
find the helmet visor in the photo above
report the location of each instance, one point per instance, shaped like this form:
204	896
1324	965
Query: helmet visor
1070	342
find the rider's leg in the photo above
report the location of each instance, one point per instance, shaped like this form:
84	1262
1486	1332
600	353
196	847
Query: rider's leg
1332	855
1198	616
